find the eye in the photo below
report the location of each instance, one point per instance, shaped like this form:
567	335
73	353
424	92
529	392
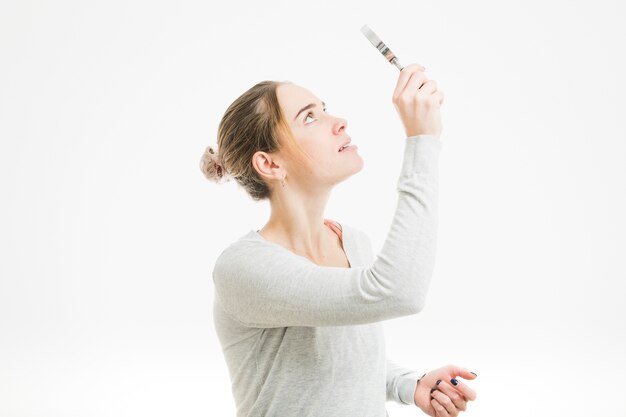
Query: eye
309	114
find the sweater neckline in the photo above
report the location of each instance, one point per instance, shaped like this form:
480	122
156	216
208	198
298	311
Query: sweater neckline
345	243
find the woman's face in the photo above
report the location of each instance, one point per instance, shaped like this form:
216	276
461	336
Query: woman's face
321	135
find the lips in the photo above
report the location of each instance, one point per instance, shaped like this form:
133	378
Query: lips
345	144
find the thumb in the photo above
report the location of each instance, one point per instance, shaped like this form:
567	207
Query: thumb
465	373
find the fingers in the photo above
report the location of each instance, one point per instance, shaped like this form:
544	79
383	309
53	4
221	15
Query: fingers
463	388
440	410
439	97
413	86
404	77
429	86
451	407
452	393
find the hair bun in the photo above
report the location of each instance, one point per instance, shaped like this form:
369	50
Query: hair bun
211	165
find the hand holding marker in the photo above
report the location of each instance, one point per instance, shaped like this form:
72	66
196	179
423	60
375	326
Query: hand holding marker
415	98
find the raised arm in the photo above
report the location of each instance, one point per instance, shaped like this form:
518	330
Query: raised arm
260	286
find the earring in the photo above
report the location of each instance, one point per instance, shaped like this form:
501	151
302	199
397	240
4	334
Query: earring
283	181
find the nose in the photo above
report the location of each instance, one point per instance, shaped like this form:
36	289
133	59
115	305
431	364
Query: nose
341	124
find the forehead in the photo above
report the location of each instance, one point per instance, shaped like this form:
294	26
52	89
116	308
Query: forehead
293	97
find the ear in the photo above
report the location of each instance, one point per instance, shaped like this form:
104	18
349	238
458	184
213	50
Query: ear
266	165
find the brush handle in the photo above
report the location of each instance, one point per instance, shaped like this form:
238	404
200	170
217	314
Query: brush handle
396	62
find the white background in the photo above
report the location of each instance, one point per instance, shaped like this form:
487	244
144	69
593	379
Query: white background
109	231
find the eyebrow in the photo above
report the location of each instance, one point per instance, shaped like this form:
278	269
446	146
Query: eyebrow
308	106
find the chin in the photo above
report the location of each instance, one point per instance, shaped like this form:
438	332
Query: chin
355	168
360	165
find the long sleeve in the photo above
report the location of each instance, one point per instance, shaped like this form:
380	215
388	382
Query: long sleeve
401	383
260	286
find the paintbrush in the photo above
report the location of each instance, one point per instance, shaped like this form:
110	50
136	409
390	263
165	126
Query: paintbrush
382	48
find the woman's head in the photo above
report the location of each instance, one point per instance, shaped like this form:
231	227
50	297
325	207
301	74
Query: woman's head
264	137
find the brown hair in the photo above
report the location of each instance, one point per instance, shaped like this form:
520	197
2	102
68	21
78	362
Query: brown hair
253	122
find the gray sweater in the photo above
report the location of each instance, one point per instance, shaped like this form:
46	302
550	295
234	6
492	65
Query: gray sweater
306	340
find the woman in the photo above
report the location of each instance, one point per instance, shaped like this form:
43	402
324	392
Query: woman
299	303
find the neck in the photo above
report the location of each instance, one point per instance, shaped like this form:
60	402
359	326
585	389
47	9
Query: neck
297	222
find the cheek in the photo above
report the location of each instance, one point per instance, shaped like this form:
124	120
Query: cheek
324	158
321	152
324	155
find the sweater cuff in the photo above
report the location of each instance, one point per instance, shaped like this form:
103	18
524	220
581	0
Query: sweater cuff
407	385
421	154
